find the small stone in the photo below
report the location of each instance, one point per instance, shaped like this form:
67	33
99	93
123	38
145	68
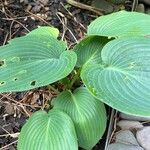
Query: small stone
134	118
16	26
119	146
9	109
44	2
147	2
26	1
47	8
103	4
36	8
143	137
127	125
29	7
11	147
126	137
140	8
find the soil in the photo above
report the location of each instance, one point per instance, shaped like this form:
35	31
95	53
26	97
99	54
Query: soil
18	17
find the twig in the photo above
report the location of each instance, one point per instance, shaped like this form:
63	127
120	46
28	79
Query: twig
12	19
72	16
5	39
18	103
50	87
6	146
86	7
57	14
134	5
13	135
39	18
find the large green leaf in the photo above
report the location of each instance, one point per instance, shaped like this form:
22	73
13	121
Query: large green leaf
33	61
123	79
121	24
48	131
87	113
89	49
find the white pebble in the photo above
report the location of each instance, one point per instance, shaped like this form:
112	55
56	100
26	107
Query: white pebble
143	137
126	137
127	125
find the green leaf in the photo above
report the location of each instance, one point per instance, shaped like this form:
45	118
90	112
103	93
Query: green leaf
48	131
44	31
87	113
123	79
34	61
121	24
89	49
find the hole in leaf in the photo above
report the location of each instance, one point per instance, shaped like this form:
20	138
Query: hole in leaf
2	63
33	83
2	83
15	79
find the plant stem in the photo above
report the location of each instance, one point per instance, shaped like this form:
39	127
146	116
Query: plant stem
75	78
53	89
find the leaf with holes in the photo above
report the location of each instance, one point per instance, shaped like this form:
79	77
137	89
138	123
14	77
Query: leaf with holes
48	131
121	24
87	113
34	61
123	79
89	49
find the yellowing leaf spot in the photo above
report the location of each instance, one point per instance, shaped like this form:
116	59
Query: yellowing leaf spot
48	45
15	59
22	72
93	90
131	65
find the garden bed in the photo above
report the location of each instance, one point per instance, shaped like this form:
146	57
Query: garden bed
18	17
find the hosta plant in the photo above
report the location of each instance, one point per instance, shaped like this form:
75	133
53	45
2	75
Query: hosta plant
109	65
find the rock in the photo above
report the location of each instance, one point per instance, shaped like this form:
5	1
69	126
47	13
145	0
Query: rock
147	2
126	125
131	117
44	2
119	146
9	109
21	1
103	4
126	137
29	7
140	8
36	8
143	137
